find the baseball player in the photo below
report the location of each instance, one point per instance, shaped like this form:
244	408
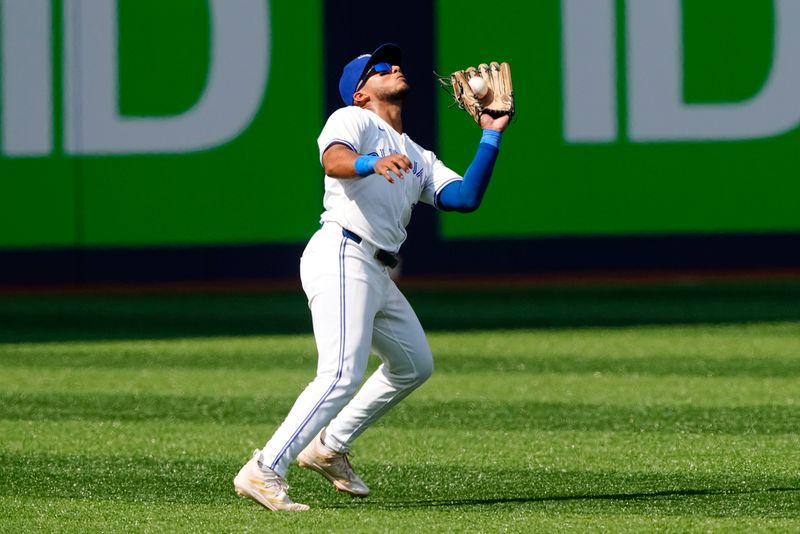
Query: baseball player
374	176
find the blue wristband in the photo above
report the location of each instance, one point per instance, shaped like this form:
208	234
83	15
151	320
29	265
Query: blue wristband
491	137
365	165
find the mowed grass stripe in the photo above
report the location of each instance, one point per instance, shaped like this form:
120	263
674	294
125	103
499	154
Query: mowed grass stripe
710	350
737	512
148	479
445	385
536	361
549	450
477	414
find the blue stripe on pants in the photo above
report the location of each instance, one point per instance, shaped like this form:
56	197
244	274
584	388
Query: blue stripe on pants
342	332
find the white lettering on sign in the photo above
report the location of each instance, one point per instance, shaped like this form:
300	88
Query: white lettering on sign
237	76
27	87
656	110
234	88
655	105
589	74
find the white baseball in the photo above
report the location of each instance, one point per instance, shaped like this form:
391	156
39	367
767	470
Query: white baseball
478	86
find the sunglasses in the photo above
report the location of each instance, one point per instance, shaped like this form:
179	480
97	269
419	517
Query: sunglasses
377	68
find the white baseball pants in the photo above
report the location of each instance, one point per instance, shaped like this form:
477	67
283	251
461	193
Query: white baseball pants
355	306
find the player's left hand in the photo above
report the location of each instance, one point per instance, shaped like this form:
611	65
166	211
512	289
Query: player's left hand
498	124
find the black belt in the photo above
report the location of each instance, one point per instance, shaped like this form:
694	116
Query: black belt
386	258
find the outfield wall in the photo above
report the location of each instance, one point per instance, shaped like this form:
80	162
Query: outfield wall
144	140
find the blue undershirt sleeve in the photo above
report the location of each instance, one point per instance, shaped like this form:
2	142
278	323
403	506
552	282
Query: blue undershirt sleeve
466	195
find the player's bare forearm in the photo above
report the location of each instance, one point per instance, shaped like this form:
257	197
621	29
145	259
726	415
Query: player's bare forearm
339	161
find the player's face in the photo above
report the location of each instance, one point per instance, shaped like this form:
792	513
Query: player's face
386	84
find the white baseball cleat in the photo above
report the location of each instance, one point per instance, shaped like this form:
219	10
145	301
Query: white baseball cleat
335	466
265	486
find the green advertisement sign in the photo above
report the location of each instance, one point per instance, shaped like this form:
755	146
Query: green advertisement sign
143	122
634	117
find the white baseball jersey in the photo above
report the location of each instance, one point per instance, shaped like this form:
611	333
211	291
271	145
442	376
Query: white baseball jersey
373	208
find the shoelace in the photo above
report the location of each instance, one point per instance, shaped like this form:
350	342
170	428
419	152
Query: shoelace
274	480
344	458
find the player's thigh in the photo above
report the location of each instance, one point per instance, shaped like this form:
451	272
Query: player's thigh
343	303
399	340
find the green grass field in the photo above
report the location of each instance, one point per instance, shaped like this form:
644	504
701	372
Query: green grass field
626	409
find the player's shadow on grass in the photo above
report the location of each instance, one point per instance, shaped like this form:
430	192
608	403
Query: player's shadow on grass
644	497
459	486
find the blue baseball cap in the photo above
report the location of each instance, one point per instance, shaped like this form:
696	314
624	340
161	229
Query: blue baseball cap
357	68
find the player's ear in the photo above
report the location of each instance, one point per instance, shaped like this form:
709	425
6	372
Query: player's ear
360	98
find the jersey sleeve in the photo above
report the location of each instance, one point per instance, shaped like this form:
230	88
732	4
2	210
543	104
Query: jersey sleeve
440	176
345	126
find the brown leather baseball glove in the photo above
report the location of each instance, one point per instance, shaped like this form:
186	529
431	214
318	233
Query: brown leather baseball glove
499	97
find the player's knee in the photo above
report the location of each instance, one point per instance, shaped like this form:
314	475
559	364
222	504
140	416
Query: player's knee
423	371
